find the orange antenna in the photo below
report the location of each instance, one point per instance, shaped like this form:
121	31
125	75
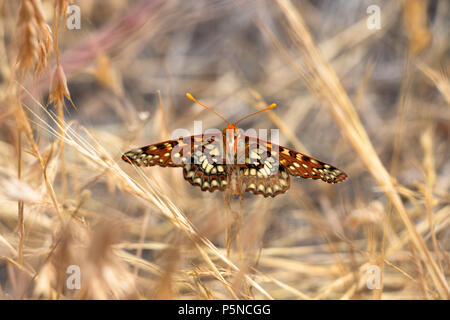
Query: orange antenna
195	100
273	105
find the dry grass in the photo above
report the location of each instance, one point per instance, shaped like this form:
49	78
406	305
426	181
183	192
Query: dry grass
373	102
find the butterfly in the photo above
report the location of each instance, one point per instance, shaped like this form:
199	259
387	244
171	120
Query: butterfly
231	160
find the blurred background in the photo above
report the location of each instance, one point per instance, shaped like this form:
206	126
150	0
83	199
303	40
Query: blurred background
362	85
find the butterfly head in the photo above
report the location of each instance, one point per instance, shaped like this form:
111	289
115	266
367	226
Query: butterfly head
231	129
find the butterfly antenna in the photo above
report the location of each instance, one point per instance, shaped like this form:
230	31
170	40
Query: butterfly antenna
195	100
273	105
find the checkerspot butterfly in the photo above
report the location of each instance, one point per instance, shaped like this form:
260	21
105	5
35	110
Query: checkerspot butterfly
234	161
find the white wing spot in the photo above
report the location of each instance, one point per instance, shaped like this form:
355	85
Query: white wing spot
208	168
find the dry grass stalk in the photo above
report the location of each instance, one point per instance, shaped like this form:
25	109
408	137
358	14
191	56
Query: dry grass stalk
34	45
343	111
415	23
430	182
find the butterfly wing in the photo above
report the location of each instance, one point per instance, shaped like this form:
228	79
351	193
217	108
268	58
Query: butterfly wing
256	180
208	169
295	163
301	165
259	170
155	154
170	153
201	157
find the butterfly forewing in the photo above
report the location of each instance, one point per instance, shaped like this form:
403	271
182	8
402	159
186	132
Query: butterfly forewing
301	165
152	155
172	153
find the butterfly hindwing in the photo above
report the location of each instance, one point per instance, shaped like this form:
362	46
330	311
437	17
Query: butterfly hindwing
207	168
256	180
261	173
207	178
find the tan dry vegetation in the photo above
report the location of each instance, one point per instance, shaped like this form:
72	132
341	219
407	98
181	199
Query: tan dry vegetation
372	102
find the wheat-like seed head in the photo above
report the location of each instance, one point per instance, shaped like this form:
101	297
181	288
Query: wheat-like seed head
34	41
